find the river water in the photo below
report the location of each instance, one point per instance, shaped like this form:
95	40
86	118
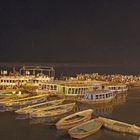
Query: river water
126	108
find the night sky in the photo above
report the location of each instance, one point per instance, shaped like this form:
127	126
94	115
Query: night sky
82	31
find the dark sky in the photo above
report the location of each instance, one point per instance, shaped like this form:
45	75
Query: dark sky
86	31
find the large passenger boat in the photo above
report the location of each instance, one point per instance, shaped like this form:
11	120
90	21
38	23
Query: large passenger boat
97	96
27	76
114	87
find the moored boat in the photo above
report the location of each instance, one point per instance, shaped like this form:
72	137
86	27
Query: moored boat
119	126
13	97
53	111
85	129
97	96
36	107
74	119
25	101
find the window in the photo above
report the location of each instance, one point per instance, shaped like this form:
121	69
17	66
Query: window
97	97
55	87
69	90
63	89
72	90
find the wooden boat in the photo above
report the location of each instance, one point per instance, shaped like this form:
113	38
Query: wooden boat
53	111
8	109
74	119
85	129
13	97
8	91
36	107
49	120
25	101
119	126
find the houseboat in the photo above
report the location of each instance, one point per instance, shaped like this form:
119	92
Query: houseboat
28	76
66	89
50	87
112	87
97	96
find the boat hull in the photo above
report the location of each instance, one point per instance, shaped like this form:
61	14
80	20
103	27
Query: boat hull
65	123
72	124
122	129
85	129
33	108
83	135
101	101
25	101
120	126
63	109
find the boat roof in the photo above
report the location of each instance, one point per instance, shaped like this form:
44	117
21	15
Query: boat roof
114	84
98	91
69	83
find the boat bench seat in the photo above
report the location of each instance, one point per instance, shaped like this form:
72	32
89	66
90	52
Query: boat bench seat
90	126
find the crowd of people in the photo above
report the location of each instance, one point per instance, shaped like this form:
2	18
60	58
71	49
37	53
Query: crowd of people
116	78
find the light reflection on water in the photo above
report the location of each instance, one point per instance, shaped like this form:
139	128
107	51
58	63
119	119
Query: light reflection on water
123	108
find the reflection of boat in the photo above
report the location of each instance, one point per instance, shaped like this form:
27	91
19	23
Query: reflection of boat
96	136
120	135
37	107
101	109
85	129
21	117
119	126
53	111
120	99
25	101
74	119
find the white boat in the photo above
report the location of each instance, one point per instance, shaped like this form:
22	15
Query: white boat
97	96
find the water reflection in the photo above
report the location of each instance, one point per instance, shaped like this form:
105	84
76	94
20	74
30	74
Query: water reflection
95	136
105	109
120	135
99	110
21	117
120	99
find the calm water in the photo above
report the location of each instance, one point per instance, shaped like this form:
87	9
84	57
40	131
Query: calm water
125	108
